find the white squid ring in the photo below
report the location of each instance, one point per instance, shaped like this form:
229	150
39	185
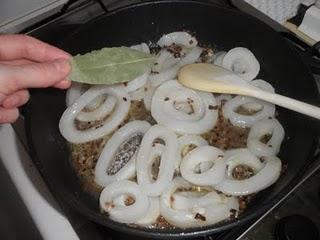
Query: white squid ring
171	73
101	111
97	108
167	165
189	201
179	38
242	62
68	128
121	212
241	156
262	128
164	111
264	109
122	135
198	215
202	155
268	175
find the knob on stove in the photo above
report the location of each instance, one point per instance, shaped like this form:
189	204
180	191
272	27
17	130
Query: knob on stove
296	227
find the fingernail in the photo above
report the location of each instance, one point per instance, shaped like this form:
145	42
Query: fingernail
62	65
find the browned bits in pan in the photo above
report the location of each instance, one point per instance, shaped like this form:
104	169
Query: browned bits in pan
175	50
233	213
242	172
213	107
226	136
206	55
129	201
200	217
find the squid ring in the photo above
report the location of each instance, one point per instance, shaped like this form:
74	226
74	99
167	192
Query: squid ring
97	108
242	62
184	110
188	201
68	128
260	109
119	138
263	179
179	38
172	72
203	155
241	156
121	212
167	165
263	128
197	215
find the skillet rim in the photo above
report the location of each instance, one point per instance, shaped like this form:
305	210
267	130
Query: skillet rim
80	207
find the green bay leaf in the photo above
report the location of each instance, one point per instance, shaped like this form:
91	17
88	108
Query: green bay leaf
110	65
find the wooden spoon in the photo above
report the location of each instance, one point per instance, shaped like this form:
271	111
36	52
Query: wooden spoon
213	78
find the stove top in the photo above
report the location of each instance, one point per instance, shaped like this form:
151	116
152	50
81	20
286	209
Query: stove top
306	195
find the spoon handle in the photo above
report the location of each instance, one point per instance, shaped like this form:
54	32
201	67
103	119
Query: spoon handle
287	102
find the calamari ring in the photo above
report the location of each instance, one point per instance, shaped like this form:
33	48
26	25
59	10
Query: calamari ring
189	200
268	175
262	128
165	109
145	159
121	212
124	134
68	128
101	110
241	156
172	72
95	110
198	215
260	109
179	38
242	62
202	155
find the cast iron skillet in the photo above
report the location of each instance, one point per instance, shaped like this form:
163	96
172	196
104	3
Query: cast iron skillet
280	65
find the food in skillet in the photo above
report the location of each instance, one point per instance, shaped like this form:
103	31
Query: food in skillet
163	155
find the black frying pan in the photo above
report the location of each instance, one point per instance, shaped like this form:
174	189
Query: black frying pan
280	65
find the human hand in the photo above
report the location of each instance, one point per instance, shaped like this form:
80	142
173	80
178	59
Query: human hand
26	62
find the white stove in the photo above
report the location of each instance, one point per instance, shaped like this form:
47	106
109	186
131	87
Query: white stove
44	210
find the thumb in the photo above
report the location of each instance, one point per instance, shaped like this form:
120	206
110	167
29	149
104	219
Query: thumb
35	75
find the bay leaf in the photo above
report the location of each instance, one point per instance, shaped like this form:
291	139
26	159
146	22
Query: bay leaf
110	65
